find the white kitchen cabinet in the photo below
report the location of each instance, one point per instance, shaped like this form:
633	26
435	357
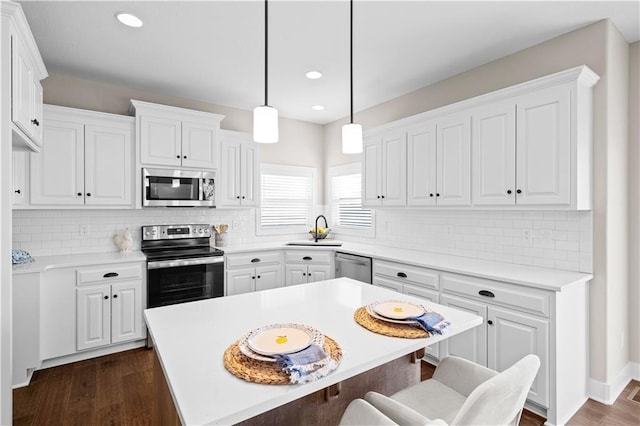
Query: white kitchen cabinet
249	272
176	137
306	266
26	70
472	344
384	170
237	184
438	171
57	313
20	178
108	314
25	325
87	160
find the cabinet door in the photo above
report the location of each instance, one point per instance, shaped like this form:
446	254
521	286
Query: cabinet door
25	312
454	161
295	274
228	184
241	281
126	311
494	155
544	148
160	141
20	179
22	87
421	165
371	172
268	277
199	145
57	172
394	169
472	344
93	306
108	165
390	284
319	273
58	310
511	336
430	296
38	123
249	174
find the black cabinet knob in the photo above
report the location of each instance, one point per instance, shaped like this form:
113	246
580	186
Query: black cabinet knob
184	156
79	194
437	194
382	196
177	156
238	197
489	322
309	274
509	191
88	194
258	276
35	122
253	278
430	195
243	197
304	274
115	296
106	297
518	191
17	191
378	196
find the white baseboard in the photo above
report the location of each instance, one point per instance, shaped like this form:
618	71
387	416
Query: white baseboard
607	393
81	356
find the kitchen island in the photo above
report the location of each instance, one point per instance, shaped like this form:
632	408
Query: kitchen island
190	340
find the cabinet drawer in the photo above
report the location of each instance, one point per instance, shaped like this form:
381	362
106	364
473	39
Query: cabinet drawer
495	292
315	257
107	273
406	273
391	285
253	259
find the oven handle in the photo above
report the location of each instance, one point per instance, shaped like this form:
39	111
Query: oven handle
184	262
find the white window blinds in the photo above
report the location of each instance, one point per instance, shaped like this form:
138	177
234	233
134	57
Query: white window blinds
347	211
286	196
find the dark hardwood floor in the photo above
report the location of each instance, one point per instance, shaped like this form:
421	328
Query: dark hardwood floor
117	390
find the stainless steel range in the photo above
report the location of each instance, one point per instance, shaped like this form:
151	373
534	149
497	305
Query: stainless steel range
181	265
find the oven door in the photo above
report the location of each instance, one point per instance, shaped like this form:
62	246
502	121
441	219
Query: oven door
184	280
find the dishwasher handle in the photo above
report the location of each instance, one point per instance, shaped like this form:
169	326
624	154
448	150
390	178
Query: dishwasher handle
355	262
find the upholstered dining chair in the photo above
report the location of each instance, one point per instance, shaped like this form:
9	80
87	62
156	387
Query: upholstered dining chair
459	393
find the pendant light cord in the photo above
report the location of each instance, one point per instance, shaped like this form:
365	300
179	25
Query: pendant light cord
266	52
351	57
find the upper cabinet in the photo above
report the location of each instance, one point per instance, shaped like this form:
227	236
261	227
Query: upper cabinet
237	185
26	71
87	160
384	180
176	137
526	146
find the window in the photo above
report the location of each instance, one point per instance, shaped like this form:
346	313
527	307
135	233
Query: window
345	198
286	198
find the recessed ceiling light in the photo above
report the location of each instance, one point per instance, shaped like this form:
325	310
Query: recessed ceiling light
313	75
317	107
128	19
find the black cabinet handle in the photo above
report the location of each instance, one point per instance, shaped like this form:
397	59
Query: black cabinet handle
35	122
17	191
490	322
518	191
255	260
402	275
509	191
307	258
106	297
88	194
486	293
110	275
115	296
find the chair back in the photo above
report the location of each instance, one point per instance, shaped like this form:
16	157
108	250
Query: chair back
499	400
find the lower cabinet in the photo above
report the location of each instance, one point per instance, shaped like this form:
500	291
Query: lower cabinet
303	266
249	272
25	315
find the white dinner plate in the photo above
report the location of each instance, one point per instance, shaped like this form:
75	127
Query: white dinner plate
281	339
398	310
371	312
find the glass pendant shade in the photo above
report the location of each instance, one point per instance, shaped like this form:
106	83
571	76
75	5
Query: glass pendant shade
265	124
351	138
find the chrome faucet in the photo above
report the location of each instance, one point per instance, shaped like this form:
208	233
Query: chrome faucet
326	225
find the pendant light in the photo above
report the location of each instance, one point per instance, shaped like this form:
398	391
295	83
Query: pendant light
352	132
265	117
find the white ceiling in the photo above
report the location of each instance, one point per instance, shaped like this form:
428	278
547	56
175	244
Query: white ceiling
213	51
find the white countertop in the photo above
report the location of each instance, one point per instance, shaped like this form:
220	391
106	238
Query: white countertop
190	340
531	276
43	263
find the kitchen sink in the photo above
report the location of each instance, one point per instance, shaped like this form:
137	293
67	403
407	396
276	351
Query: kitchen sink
323	243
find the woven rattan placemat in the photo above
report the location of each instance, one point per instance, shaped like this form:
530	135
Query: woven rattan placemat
268	373
407	331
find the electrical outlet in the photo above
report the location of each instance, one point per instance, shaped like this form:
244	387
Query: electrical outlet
235	224
448	229
526	236
84	230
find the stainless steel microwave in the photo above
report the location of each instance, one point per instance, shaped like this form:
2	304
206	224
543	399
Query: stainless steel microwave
177	188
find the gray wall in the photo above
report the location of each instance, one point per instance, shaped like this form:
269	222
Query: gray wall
634	202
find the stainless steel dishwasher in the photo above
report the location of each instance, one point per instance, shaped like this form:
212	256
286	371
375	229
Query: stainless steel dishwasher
352	266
